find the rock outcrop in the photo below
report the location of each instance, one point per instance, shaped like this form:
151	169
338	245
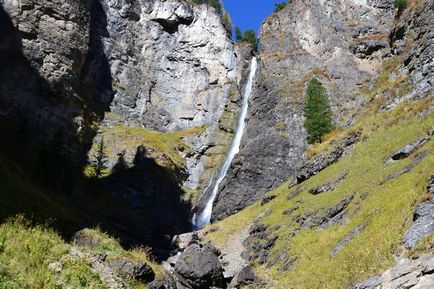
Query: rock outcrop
416	274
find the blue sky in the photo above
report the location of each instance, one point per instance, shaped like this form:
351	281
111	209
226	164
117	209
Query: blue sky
248	14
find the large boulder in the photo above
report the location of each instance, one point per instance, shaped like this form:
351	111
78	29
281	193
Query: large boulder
199	267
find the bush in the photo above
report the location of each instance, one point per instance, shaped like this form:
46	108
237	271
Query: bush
400	3
317	112
279	6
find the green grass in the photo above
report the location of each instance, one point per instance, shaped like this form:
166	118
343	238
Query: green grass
27	251
384	212
165	147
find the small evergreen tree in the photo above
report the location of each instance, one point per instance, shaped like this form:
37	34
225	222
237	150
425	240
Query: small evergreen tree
317	112
279	6
250	37
238	34
99	161
227	22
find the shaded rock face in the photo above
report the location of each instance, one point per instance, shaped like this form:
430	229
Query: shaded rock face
343	44
43	54
417	274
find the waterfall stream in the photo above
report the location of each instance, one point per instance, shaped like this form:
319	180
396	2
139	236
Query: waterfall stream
204	217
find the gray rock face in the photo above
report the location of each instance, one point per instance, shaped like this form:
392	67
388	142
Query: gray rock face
423	224
43	53
416	274
172	66
342	44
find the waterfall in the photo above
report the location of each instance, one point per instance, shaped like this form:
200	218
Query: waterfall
204	217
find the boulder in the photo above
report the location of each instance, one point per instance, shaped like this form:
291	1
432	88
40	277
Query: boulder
244	277
199	267
126	268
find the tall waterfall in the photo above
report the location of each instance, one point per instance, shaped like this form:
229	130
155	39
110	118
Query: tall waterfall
204	217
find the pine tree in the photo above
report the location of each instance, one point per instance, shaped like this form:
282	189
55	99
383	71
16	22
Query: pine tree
250	37
227	22
317	112
238	34
99	161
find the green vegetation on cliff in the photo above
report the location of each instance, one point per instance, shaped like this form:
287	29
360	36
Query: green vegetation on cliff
317	112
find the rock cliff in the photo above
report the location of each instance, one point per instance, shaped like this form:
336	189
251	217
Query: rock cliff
344	44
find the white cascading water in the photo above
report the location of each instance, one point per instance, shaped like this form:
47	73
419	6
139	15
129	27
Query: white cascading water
204	217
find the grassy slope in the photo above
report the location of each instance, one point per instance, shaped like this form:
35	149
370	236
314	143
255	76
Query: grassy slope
385	213
26	251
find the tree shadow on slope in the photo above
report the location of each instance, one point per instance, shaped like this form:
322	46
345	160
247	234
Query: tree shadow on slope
152	195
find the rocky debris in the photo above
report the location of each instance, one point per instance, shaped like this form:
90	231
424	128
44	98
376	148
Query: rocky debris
407	150
265	200
324	217
199	267
423	224
328	186
416	160
126	268
341	244
415	274
245	277
258	244
108	276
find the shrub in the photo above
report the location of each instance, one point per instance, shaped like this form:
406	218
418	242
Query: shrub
400	3
279	6
317	112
